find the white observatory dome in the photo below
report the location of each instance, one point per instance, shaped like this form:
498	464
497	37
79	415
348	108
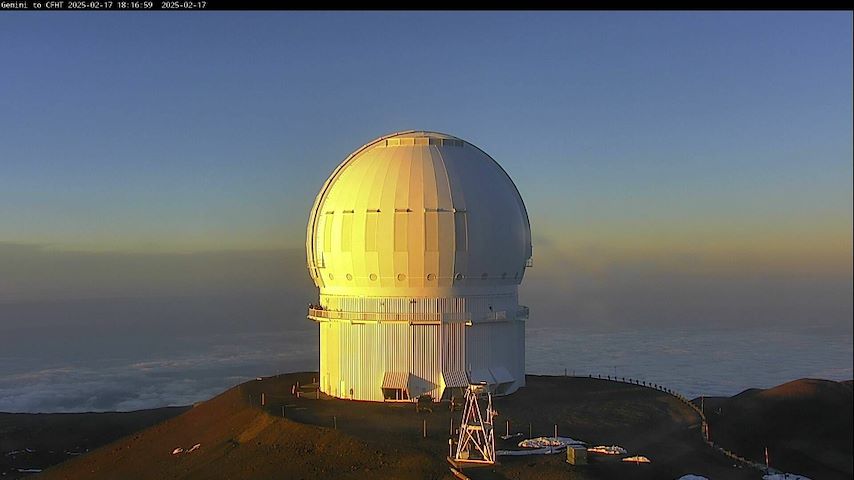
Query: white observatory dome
416	210
418	242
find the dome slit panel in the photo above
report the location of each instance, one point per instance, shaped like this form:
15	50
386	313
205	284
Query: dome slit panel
390	189
459	184
416	207
387	184
341	202
454	260
419	259
328	227
440	177
429	191
317	243
347	238
435	227
401	182
362	176
357	202
399	218
480	230
380	206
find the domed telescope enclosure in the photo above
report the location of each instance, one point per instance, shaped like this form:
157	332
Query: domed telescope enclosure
418	242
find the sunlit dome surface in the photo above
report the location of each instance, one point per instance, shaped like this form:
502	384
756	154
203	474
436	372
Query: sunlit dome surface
418	210
418	242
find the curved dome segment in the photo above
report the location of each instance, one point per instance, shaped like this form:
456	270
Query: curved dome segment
418	210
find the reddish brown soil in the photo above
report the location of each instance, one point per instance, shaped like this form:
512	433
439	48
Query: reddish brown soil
330	438
240	440
806	424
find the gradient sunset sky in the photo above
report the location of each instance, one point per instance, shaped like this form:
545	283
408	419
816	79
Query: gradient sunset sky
670	162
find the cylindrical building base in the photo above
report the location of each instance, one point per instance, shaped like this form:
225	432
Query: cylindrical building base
390	361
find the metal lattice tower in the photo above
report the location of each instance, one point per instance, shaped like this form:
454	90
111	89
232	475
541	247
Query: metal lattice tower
476	443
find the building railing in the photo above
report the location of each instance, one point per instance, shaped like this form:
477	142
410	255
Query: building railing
323	315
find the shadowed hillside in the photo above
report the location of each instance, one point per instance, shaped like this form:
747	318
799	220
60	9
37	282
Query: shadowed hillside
239	440
806	425
34	440
331	438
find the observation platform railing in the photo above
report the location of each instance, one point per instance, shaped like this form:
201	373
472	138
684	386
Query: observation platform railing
325	314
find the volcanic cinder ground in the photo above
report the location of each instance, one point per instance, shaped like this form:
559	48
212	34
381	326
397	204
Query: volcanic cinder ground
332	438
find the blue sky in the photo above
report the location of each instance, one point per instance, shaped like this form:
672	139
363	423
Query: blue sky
716	145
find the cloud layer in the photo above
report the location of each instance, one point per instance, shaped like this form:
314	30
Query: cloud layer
181	378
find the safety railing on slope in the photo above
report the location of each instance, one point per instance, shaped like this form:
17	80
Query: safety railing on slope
704	430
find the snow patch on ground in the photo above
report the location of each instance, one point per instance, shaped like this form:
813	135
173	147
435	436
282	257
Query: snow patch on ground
637	459
608	450
541	442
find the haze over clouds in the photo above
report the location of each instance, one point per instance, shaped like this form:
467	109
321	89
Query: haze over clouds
593	287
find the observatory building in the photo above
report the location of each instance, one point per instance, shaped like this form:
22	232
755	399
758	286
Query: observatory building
418	242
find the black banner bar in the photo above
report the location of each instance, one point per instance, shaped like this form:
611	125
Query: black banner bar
257	5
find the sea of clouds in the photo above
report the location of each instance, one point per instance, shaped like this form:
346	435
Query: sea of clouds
179	378
195	368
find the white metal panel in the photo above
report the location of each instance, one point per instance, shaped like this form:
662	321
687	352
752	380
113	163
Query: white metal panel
456	378
395	380
355	359
426	354
479	375
501	375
